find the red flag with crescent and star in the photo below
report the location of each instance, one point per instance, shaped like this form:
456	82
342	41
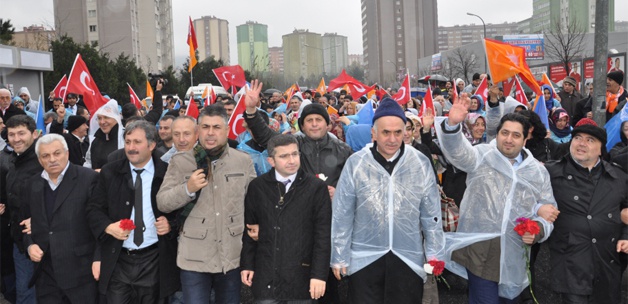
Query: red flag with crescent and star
403	94
357	88
232	75
237	117
81	82
134	99
59	90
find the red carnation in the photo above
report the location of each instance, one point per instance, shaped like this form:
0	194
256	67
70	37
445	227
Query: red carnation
439	266
127	224
527	225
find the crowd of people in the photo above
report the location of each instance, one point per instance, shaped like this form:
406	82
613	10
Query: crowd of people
130	205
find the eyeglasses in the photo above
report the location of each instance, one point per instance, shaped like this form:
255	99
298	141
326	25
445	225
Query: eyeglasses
289	155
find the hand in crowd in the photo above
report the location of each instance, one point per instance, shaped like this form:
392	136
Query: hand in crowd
96	270
493	93
344	120
3	208
114	230
35	253
251	98
27	225
159	85
548	212
428	119
622	246
528	238
247	277
459	110
339	272
590	115
332	191
624	216
253	231
197	181
162	225
51	94
60	114
317	288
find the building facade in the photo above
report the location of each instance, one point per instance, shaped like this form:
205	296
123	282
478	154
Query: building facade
140	29
394	34
302	54
548	14
212	35
276	59
34	37
356	59
335	53
451	37
253	46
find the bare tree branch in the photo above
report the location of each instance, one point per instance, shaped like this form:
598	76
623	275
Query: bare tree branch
462	62
565	42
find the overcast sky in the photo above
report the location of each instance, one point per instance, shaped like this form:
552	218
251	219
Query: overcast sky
283	16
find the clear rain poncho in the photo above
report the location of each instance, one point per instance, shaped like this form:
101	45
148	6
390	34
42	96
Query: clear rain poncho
497	194
374	212
110	109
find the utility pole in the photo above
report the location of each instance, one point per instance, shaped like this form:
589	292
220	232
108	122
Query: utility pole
600	54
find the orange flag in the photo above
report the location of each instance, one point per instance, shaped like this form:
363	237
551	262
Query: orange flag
193	46
505	61
331	110
149	90
322	88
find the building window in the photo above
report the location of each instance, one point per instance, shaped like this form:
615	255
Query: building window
92	28
91	13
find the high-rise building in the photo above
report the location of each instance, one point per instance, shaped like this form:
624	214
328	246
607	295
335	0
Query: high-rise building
335	53
451	37
140	29
212	35
253	46
303	55
276	59
546	14
356	59
621	26
34	37
394	34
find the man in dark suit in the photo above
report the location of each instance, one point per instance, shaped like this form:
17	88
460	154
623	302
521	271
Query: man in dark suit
138	266
60	243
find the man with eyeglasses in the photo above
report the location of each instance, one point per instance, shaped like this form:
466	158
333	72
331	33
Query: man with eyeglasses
7	109
290	207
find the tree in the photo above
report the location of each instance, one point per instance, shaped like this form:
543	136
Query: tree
6	31
462	63
356	70
565	41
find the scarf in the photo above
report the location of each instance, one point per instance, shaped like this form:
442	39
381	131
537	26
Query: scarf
203	159
560	133
612	99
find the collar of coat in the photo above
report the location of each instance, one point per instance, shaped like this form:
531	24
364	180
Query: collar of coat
569	169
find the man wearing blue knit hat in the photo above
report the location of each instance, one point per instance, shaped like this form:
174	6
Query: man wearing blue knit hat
379	221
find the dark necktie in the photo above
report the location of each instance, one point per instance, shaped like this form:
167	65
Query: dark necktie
138	237
286	182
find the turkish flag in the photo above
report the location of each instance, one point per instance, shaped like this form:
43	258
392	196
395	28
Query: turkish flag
230	76
520	95
236	119
380	93
505	61
59	90
454	96
357	88
134	99
428	102
82	83
192	109
482	90
507	85
403	94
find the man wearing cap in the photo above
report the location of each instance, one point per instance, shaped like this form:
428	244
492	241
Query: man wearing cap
321	154
381	223
76	138
616	95
589	241
569	96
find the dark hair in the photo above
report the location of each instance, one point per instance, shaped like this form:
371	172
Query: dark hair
128	110
348	96
343	92
515	117
280	140
149	129
166	117
229	102
317	95
169	97
21	120
80	110
214	110
534	119
57	99
133	119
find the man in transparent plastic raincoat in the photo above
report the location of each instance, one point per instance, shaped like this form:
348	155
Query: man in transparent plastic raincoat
386	210
504	183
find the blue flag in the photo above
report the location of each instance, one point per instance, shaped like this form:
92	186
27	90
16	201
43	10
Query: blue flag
365	115
541	109
613	128
40	116
176	105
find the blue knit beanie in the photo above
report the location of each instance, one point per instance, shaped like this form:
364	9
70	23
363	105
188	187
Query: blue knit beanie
389	107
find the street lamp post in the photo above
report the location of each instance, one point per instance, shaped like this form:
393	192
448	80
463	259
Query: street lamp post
483	24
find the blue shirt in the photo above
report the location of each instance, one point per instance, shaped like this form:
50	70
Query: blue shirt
150	232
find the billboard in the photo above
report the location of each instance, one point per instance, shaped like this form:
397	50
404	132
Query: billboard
533	45
437	62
